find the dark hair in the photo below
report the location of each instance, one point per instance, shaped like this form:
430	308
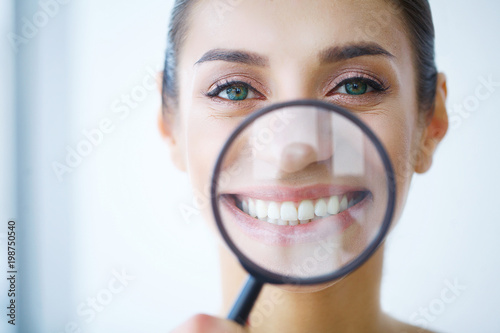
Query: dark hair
420	27
417	19
177	30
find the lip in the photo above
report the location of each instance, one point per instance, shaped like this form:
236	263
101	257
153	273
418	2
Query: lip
280	193
277	235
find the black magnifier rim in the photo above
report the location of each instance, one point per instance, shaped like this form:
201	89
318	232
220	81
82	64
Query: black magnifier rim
266	276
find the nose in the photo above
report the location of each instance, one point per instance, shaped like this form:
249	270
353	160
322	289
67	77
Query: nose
297	156
297	138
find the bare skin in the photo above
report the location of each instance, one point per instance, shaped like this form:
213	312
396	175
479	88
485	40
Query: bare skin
289	68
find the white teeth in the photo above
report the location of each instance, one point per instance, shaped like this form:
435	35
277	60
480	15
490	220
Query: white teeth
343	203
261	209
320	209
251	208
288	211
272	221
306	210
273	210
333	205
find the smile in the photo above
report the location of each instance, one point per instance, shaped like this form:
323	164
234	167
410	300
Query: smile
284	216
290	213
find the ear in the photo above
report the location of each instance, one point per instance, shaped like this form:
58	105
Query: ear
167	128
437	126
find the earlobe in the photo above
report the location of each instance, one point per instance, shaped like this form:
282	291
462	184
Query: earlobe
436	129
165	123
165	126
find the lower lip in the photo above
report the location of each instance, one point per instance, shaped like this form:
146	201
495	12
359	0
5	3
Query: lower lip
276	235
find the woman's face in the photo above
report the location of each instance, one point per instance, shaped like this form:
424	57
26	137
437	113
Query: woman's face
239	56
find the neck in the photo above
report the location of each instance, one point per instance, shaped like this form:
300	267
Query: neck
349	305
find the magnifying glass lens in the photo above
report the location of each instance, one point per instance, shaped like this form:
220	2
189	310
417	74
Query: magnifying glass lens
303	193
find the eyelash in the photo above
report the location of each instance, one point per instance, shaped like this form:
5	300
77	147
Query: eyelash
377	87
221	86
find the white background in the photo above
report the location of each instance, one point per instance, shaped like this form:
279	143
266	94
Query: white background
119	209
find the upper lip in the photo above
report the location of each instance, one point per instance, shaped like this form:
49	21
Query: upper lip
296	194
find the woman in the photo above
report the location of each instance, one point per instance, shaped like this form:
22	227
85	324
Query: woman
226	59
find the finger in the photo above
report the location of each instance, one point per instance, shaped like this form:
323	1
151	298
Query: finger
208	324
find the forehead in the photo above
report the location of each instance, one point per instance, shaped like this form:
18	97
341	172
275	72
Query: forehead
287	29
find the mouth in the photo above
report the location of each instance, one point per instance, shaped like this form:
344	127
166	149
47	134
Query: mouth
283	216
290	213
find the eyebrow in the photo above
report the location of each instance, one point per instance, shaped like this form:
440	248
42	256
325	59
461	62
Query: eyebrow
329	55
346	52
242	57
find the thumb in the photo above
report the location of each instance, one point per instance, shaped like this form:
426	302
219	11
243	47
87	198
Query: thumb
208	324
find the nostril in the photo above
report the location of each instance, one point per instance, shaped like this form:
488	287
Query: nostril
297	156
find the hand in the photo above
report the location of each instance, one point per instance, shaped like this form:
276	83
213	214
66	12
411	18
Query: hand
208	324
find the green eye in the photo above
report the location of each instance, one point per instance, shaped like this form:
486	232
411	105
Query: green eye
235	93
356	88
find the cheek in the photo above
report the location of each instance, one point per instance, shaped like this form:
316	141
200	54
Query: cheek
205	137
397	134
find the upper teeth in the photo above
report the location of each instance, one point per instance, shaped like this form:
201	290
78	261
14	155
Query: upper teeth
291	213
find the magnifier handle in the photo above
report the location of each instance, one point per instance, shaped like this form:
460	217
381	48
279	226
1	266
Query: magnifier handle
244	304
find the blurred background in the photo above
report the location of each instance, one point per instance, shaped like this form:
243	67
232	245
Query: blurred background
106	241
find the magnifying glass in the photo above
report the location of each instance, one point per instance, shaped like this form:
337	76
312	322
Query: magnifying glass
303	193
